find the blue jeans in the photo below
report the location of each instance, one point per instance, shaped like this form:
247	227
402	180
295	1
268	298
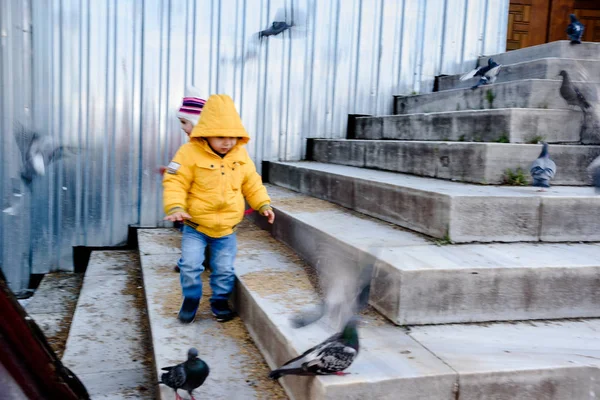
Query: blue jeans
222	255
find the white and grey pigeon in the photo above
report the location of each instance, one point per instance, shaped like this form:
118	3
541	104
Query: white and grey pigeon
188	375
38	152
487	74
330	357
575	30
543	169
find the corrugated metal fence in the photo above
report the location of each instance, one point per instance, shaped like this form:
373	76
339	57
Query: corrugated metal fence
107	77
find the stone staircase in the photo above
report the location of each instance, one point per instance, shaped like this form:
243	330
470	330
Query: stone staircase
467	317
479	291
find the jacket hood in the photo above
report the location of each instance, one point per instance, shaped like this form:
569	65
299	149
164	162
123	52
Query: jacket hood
220	118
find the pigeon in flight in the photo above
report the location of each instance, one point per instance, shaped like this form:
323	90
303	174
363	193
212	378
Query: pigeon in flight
571	94
575	30
37	153
291	20
487	74
188	375
543	169
284	19
346	293
331	357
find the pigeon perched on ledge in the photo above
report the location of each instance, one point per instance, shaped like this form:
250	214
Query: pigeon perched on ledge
575	30
188	375
543	169
331	357
571	93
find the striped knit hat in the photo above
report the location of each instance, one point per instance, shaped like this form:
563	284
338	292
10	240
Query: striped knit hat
192	105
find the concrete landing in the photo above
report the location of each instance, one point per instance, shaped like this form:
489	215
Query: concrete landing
545	68
558	49
457	211
497	361
237	370
528	93
418	282
514	125
107	346
485	163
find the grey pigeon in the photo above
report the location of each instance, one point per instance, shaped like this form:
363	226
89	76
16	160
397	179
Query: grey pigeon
543	169
487	74
594	171
275	29
331	357
575	30
284	19
188	375
291	20
571	94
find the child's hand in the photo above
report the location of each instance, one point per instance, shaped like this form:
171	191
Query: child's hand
161	170
178	216
270	215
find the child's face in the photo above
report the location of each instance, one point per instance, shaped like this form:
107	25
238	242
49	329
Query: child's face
186	126
222	144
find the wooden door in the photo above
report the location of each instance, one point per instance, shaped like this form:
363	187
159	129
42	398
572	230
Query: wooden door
533	22
527	23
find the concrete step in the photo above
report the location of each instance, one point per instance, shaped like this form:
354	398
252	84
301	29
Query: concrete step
530	93
510	361
52	306
237	369
463	283
514	125
558	49
456	211
545	68
485	163
108	345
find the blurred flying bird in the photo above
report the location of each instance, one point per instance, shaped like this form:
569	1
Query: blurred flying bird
291	20
332	356
487	74
575	30
188	375
543	169
345	284
38	152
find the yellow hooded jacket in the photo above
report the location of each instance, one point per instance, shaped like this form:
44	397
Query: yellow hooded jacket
209	188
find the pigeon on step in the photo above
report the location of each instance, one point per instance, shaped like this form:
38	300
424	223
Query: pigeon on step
331	357
543	169
575	30
188	375
571	94
594	171
488	73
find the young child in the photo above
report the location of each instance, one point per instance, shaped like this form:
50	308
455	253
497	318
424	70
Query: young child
205	186
189	113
